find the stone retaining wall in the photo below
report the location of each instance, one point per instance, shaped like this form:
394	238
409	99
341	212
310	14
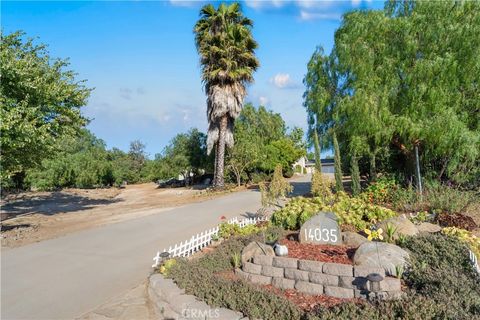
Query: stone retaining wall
316	278
171	302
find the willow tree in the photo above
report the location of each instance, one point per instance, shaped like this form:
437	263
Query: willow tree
224	41
322	95
413	75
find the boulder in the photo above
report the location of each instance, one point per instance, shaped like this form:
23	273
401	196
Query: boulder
402	223
353	239
380	254
321	229
427	227
256	248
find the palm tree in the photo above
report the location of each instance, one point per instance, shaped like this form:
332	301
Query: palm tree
227	56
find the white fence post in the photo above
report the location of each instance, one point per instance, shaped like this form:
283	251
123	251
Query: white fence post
195	243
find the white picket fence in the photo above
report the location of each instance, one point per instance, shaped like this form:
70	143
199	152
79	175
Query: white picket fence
201	240
474	260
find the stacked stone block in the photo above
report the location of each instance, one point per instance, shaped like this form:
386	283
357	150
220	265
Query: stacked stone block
316	278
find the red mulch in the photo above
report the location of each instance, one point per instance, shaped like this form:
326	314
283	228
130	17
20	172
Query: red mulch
307	302
319	252
457	220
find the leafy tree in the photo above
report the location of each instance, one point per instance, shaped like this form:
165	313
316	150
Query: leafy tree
227	54
337	164
186	155
40	104
413	73
355	174
321	99
262	143
82	163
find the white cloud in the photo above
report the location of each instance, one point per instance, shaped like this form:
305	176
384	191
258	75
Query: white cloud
315	4
282	80
356	3
186	3
305	16
259	4
263	101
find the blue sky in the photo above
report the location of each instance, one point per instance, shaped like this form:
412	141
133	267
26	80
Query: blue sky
140	57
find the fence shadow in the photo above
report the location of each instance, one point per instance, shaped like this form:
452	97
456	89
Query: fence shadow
51	204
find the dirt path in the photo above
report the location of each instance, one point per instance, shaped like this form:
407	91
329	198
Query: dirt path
35	216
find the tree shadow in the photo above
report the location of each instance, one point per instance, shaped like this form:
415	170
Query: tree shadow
51	204
299	188
4	228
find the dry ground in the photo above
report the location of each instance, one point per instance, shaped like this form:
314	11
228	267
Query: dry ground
34	216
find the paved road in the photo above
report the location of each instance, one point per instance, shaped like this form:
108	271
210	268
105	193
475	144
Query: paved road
65	277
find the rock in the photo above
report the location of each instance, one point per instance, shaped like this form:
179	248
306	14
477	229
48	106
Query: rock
338	292
295	274
427	227
353	239
283	262
403	225
321	229
309	288
381	254
337	269
280	250
256	248
283	283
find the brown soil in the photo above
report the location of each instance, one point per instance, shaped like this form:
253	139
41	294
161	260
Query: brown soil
307	302
324	253
457	220
34	216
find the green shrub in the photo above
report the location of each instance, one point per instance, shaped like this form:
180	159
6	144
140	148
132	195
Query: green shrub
278	188
442	198
321	186
466	237
350	211
381	192
227	230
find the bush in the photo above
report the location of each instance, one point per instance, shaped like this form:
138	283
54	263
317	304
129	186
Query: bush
201	278
350	211
381	192
227	230
465	236
278	188
443	198
321	186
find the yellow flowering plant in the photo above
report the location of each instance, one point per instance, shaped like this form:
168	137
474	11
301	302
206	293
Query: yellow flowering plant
463	235
374	234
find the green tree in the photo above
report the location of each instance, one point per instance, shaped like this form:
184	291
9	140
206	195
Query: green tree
262	142
412	74
337	164
355	175
83	162
40	103
227	55
185	155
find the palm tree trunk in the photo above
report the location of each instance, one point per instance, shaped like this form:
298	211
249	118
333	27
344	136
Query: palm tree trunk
214	181
220	156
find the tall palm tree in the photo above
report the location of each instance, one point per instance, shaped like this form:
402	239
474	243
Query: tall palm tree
227	56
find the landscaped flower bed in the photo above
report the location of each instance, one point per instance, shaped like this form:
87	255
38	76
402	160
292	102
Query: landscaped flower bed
318	252
431	278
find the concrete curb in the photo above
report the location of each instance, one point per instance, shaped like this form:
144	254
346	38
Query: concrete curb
171	302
